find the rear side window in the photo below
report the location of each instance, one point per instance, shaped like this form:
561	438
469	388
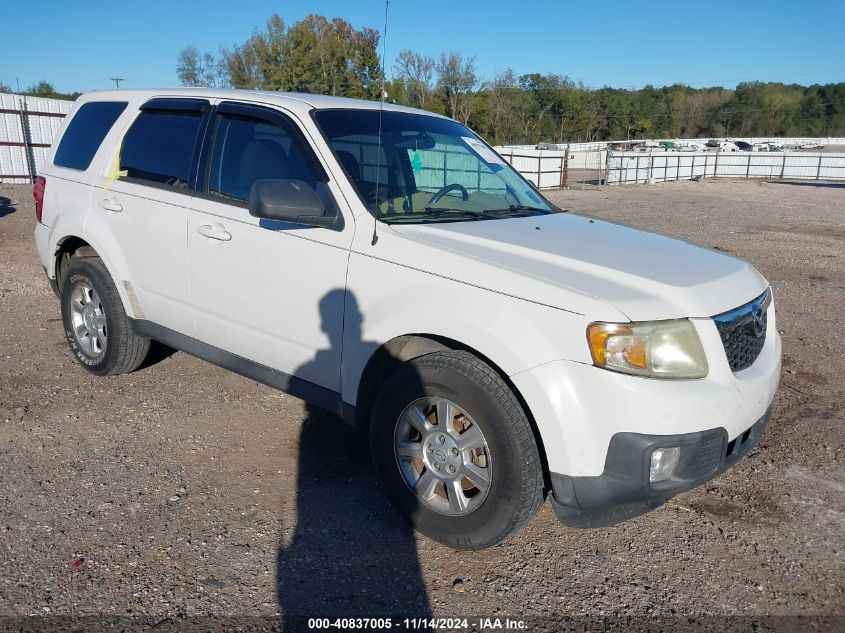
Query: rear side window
159	146
247	149
85	132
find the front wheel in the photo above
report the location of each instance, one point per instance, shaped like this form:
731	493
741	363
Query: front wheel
456	451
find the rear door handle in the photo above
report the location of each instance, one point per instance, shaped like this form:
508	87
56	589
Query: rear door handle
215	232
111	204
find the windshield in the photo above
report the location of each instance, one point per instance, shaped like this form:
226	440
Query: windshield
425	169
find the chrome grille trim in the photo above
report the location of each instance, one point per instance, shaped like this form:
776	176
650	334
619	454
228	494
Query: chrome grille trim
743	331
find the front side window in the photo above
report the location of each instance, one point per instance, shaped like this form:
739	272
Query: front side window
425	168
247	149
159	146
86	132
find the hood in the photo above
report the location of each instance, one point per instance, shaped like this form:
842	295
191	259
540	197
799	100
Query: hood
580	264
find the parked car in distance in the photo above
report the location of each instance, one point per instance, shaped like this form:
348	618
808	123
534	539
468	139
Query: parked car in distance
713	142
693	146
495	349
625	146
727	146
811	145
743	146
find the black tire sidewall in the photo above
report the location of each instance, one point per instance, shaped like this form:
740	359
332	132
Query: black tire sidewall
82	270
490	522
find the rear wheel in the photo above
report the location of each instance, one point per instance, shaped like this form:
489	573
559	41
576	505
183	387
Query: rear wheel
98	331
456	451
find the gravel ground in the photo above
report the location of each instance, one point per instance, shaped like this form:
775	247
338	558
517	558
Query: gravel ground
183	493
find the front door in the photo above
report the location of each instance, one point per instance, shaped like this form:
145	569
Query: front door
270	292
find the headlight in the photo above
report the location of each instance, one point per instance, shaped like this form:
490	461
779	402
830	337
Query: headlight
659	349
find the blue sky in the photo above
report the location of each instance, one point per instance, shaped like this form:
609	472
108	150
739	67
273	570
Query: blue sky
80	45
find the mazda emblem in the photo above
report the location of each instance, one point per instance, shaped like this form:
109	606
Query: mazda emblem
758	316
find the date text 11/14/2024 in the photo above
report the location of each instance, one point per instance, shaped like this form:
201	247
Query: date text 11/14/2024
417	624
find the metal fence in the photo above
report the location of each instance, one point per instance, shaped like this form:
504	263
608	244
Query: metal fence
597	145
551	169
641	167
27	128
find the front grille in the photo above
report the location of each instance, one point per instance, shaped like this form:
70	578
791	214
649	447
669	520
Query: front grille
743	331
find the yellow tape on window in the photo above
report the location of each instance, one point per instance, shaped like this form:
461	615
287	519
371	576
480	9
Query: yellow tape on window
114	172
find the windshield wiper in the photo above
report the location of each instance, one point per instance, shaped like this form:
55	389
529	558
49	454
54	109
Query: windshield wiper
514	208
434	212
442	210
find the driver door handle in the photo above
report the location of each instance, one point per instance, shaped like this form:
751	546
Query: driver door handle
214	231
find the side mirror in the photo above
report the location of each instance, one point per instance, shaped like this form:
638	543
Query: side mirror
289	201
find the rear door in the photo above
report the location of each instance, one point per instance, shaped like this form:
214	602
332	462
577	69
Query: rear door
144	197
268	291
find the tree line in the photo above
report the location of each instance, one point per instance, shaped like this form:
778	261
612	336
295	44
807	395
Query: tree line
42	89
317	55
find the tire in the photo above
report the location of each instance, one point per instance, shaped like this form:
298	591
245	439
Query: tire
417	396
101	336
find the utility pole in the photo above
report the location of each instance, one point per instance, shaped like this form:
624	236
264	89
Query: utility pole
117	81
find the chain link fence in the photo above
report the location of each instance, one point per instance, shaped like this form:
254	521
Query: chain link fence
640	167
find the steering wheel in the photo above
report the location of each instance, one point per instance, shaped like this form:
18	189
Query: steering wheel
453	187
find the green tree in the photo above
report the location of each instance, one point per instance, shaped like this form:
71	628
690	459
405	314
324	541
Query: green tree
417	72
456	80
313	55
261	61
41	89
200	69
506	109
46	90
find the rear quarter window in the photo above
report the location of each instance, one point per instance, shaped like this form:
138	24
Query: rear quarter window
86	132
159	146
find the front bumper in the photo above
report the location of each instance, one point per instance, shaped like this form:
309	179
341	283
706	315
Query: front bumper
623	490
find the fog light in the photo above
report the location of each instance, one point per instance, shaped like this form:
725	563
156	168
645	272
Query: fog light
663	463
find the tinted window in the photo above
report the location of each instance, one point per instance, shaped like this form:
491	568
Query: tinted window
159	146
85	132
246	150
416	168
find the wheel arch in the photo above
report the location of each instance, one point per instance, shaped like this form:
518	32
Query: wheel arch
387	358
68	247
71	245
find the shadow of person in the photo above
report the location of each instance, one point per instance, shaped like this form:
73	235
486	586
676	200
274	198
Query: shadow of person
351	554
6	207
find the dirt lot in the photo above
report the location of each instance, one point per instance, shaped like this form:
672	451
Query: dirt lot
183	492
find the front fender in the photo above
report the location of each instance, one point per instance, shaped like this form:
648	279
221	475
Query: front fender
385	301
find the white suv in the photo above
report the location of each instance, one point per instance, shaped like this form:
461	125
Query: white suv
386	264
